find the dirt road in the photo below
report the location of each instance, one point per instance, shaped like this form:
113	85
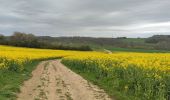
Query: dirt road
53	81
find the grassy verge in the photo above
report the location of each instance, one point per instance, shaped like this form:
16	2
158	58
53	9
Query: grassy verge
104	83
11	81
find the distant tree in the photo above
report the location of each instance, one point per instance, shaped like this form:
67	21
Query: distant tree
2	39
164	45
121	37
23	39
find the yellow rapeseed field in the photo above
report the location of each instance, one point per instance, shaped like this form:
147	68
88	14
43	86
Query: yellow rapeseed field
17	57
148	61
144	75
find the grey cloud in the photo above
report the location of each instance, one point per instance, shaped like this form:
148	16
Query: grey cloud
84	17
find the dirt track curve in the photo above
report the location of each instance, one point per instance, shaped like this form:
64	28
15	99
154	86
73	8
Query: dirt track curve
51	80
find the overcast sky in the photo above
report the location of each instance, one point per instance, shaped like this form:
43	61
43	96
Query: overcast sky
99	18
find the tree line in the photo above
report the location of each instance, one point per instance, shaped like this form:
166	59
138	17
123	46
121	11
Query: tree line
21	39
156	42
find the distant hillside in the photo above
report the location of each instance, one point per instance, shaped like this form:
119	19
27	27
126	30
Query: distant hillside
98	43
80	40
161	42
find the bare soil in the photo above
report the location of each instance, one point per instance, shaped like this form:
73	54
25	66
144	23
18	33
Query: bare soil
51	80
